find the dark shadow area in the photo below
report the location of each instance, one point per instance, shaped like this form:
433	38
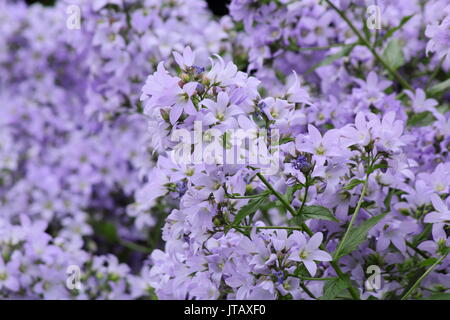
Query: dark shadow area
219	7
44	2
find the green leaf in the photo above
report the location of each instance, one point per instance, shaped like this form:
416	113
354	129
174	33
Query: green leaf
393	30
423	235
428	262
439	296
108	230
381	165
388	199
445	250
421	119
346	50
333	288
358	235
290	192
281	76
365	28
439	88
286	140
249	208
393	54
317	212
353	183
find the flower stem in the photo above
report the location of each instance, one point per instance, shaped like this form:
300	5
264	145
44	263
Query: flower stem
416	284
134	246
256	196
353	292
352	220
271	227
296	48
435	72
277	194
307	291
311	278
367	44
307	182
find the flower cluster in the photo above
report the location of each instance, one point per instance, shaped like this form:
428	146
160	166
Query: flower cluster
73	142
283	151
36	265
218	241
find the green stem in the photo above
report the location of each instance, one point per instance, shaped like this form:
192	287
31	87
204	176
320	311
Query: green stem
353	292
307	182
355	214
277	194
307	291
420	252
294	47
367	44
311	278
134	246
229	196
271	227
435	72
416	284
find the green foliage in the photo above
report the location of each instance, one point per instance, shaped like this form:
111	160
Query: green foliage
358	235
439	88
251	207
353	183
421	119
393	30
107	230
346	50
334	287
317	212
393	54
439	296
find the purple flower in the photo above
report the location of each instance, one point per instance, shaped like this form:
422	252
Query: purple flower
419	101
439	39
301	163
8	275
320	147
442	213
306	251
186	60
220	111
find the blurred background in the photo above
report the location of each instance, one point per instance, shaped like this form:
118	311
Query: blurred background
218	7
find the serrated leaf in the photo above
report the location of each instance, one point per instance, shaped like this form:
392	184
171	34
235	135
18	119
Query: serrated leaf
249	208
358	235
317	212
439	88
421	119
353	183
346	50
390	32
393	54
333	288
